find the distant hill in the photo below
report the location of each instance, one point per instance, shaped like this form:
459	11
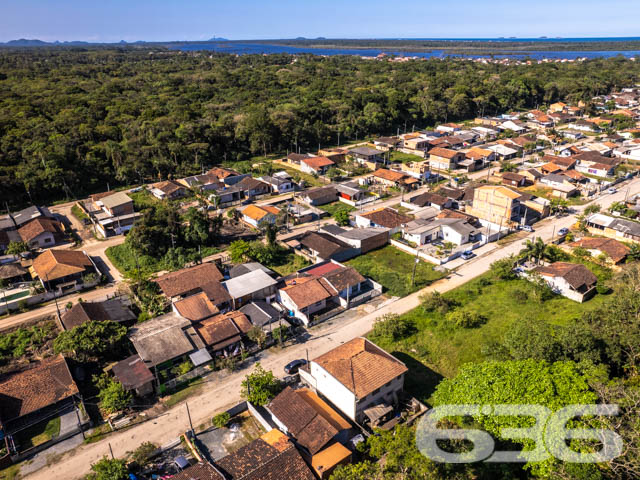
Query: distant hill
218	39
23	42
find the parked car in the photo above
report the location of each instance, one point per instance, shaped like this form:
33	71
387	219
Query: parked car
293	367
563	231
527	228
467	254
612	190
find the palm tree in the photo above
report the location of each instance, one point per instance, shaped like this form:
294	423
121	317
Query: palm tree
536	249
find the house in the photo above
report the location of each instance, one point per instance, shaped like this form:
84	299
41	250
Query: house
513	179
498	205
572	134
243	268
391	178
386	143
454	194
614	250
382	217
321	247
502	151
532	175
195	308
270	457
33	397
480	156
116	204
550	168
564	191
254	285
223	333
168	190
279	183
557	107
316	165
226	175
319	196
306	296
260	216
584	126
571	280
574	176
252	188
355	377
346	281
65	270
421	232
41	232
13	273
26	215
429	199
192	280
554	180
563	163
112	309
164	341
419	170
112	214
134	375
418	145
444	158
205	182
612	227
455	230
261	314
448	128
362	239
351	192
370	157
318	430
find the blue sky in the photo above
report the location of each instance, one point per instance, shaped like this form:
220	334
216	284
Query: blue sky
161	20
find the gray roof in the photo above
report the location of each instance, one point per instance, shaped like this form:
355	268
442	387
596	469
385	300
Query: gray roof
366	151
333	229
200	357
116	200
6	223
554	177
260	313
420	226
26	215
238	270
626	226
458	225
363	233
161	338
248	283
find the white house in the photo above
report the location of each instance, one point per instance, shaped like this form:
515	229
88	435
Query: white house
571	280
305	296
356	376
260	216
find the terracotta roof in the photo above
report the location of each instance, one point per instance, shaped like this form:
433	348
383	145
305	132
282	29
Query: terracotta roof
574	174
11	270
223	329
54	264
386	217
310	429
168	187
615	249
222	173
196	307
326	245
551	167
428	198
566	162
258	213
516	177
361	366
30	390
187	279
199	471
575	274
270	457
389	175
477	153
307	291
132	372
38	226
443	152
317	162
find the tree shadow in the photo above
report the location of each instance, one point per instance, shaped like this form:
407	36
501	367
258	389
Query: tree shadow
420	381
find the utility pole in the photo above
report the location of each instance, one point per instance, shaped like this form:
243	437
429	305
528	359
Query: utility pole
111	451
553	233
415	264
189	415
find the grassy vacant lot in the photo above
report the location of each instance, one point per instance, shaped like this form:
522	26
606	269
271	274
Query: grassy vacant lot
439	348
332	208
393	268
405	157
78	213
288	263
548	194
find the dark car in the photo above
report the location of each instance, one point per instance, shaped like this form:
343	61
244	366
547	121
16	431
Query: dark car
293	367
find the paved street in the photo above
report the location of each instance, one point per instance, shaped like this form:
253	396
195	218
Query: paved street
218	395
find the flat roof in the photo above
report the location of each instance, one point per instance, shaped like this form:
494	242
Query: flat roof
248	283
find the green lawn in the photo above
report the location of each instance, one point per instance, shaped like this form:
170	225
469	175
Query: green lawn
188	389
77	212
288	264
405	157
38	434
439	348
393	268
332	208
142	199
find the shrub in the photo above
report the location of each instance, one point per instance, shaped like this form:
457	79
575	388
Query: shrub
221	420
581	252
520	296
183	368
466	319
435	302
603	289
393	327
503	268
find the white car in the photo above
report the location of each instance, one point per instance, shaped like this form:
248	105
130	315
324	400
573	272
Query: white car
612	190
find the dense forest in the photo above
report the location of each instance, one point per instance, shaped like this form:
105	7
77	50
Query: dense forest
73	119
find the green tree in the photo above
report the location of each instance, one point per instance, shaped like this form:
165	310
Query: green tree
238	251
260	386
392	326
97	340
108	469
341	217
221	420
16	248
358	471
503	268
256	334
113	396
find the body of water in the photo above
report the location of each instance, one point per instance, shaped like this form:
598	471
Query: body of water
260	49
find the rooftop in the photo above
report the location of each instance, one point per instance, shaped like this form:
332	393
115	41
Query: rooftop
361	366
386	217
196	307
54	264
116	200
249	283
575	274
132	372
161	338
307	291
223	329
31	230
187	279
324	244
82	312
616	250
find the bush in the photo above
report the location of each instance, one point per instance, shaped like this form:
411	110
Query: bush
466	319
581	252
393	327
503	268
435	302
520	296
221	420
603	289
183	368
